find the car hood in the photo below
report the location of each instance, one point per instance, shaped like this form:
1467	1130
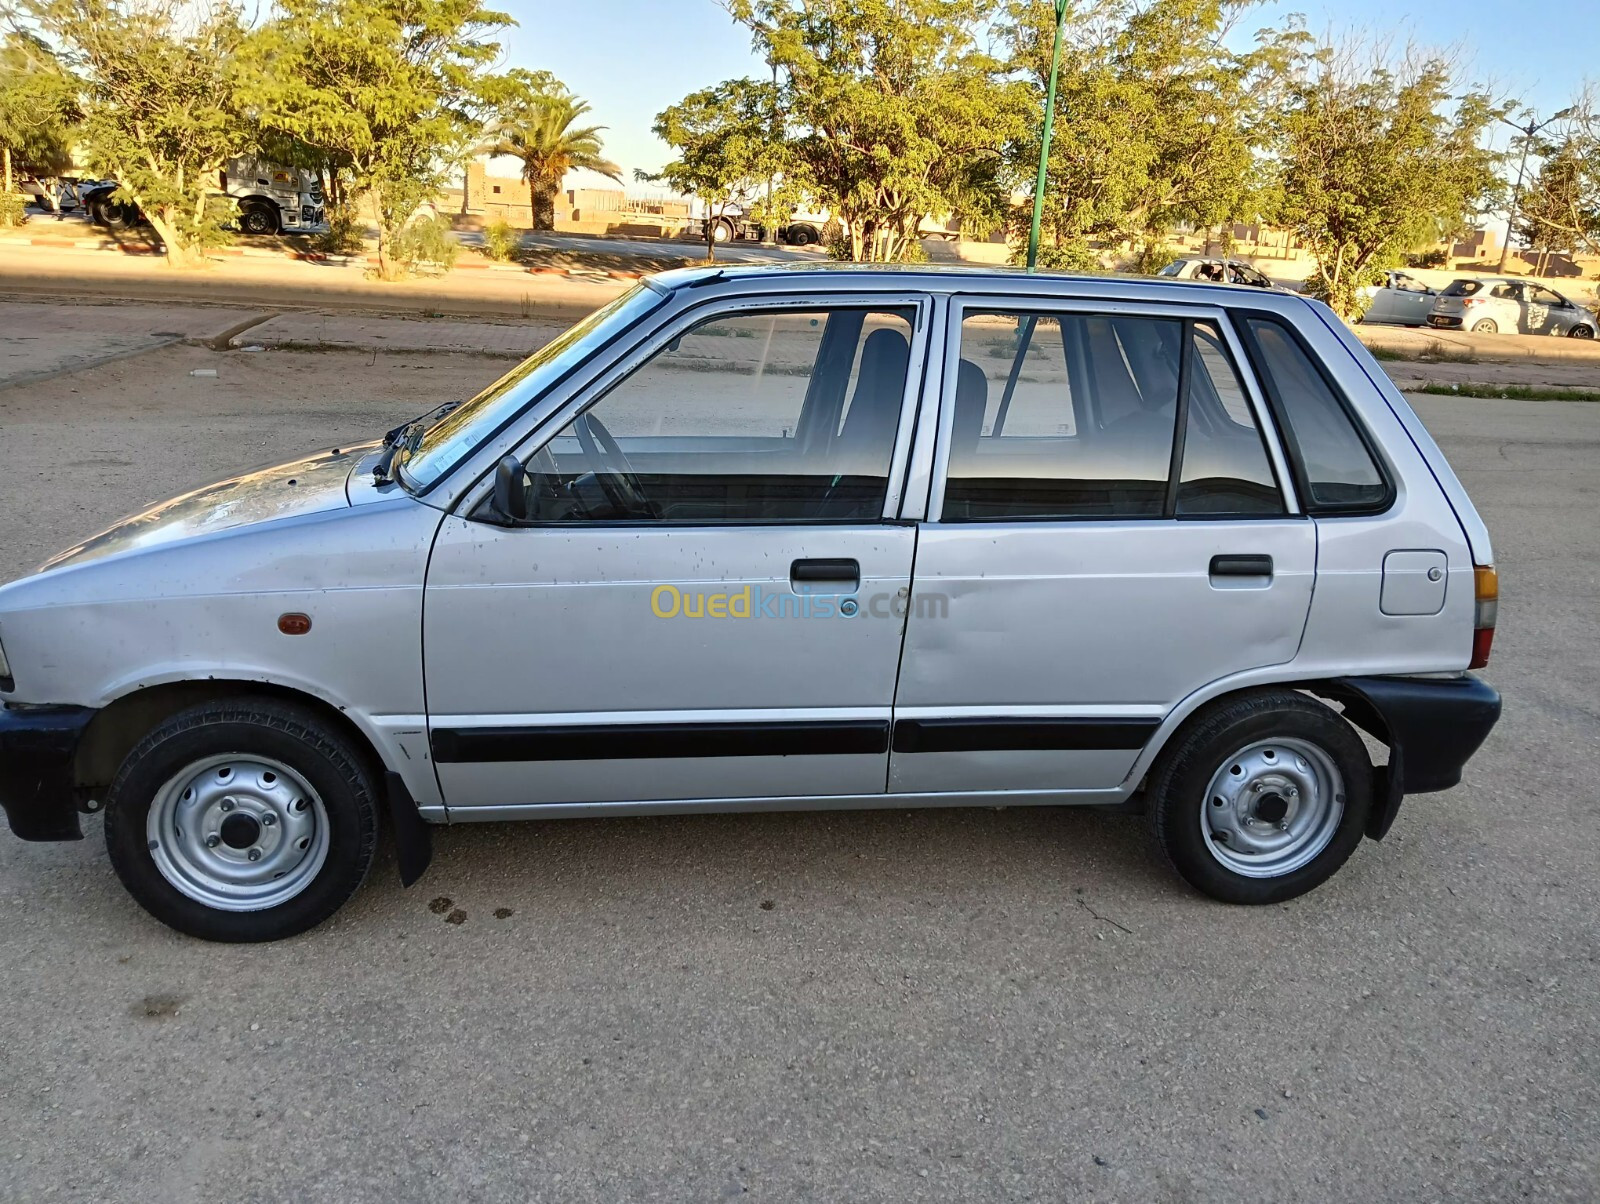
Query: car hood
305	486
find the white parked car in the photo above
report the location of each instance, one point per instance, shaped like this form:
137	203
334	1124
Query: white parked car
1401	300
1217	271
776	539
1510	306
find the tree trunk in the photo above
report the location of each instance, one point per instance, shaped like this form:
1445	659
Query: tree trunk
383	233
179	253
544	205
7	151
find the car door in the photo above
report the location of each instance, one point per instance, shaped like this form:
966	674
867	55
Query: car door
1109	530
1381	307
702	599
1542	309
1410	300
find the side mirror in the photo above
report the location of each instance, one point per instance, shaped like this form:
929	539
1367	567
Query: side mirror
510	496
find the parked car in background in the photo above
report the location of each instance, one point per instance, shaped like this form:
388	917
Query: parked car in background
1510	306
762	539
1217	271
1401	300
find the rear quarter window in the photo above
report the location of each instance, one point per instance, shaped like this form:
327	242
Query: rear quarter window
1337	469
1463	288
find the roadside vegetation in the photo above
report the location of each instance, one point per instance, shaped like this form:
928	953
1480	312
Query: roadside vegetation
1167	119
1507	392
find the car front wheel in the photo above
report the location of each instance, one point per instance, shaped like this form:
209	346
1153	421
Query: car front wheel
1581	332
248	820
1261	797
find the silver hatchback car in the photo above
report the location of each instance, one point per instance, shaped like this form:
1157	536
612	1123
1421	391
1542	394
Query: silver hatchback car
1509	307
775	539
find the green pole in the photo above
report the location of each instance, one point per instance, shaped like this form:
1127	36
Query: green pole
1044	141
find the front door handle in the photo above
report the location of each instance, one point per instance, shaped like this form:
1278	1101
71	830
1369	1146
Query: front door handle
830	571
1238	565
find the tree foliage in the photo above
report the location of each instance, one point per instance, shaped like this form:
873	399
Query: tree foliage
535	123
728	142
388	92
160	108
38	109
1560	210
1157	120
891	110
1378	159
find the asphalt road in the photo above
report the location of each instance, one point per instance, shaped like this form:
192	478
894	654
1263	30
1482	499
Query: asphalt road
950	1005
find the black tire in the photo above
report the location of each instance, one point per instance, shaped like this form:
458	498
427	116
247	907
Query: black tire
1180	781
287	734
258	219
115	216
722	231
1581	332
800	236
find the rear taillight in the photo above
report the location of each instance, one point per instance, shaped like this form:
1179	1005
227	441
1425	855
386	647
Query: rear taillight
1486	592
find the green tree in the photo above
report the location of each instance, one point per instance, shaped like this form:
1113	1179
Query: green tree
160	111
892	110
1158	120
1561	210
1550	213
728	142
536	125
1379	159
38	109
390	93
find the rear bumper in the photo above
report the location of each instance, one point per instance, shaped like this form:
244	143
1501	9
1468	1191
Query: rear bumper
37	747
1442	322
1432	726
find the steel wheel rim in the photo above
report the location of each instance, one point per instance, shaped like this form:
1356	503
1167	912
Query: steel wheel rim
1272	807
238	832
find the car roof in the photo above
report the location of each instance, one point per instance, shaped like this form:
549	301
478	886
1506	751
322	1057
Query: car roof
955	279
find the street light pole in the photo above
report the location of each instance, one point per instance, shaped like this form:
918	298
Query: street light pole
1527	132
1044	140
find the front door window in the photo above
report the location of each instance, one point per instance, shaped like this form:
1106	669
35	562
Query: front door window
767	417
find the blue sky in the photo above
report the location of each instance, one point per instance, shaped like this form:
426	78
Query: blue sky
632	58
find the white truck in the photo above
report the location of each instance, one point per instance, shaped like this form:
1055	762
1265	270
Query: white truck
272	199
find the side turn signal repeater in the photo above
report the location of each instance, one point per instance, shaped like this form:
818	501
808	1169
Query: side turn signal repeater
294	623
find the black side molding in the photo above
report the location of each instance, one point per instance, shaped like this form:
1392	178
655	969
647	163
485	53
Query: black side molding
624	741
1432	726
1008	733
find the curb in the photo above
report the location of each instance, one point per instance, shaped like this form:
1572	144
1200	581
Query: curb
593	275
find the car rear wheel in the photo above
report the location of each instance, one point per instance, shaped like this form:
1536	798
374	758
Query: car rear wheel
1262	797
248	820
1486	326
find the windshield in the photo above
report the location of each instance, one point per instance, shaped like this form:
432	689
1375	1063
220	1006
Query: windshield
454	436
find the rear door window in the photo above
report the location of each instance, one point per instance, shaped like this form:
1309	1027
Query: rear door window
1338	471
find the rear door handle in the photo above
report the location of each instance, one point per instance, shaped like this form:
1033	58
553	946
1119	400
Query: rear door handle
1241	566
830	571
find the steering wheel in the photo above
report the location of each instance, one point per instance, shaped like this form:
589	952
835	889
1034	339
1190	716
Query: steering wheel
611	468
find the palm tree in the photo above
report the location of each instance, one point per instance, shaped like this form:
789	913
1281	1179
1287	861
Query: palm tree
539	130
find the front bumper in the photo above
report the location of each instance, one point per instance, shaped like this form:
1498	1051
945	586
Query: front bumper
1432	726
37	748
